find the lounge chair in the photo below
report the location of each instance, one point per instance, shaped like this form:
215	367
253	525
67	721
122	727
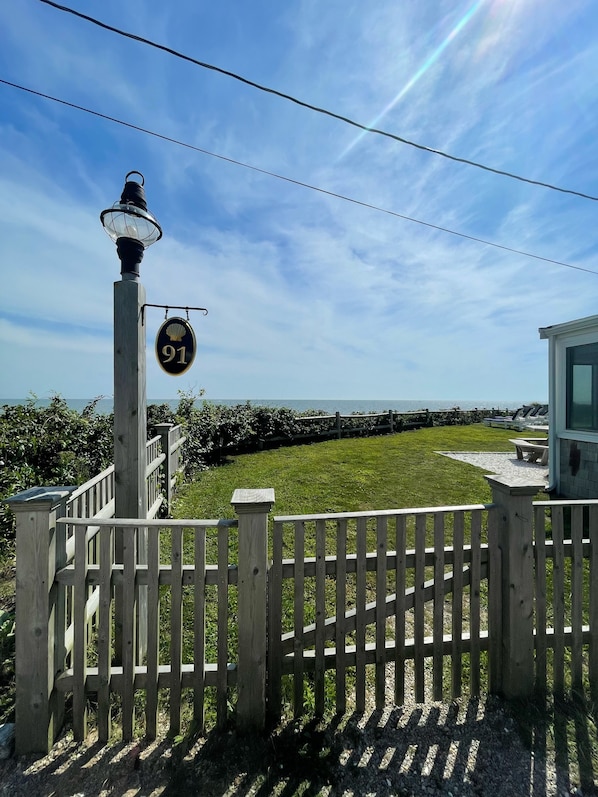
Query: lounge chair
537	421
505	421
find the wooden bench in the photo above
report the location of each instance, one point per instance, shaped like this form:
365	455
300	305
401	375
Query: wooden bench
536	448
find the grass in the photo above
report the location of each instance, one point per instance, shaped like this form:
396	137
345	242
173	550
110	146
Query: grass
388	472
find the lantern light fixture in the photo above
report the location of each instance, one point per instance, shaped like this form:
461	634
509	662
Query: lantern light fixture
130	225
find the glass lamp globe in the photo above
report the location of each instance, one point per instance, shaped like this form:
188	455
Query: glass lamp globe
125	220
129	218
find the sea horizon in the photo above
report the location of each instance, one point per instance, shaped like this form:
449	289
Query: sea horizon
344	406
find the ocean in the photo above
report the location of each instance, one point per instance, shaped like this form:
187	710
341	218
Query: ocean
328	406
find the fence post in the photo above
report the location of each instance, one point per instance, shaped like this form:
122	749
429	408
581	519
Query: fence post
391	421
338	425
40	616
163	429
252	508
513	525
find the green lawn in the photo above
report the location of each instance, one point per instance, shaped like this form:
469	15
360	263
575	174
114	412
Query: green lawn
388	472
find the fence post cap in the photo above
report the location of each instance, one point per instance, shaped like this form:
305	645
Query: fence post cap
252	498
515	485
46	495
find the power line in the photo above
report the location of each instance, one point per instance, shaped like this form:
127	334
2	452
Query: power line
293	181
315	108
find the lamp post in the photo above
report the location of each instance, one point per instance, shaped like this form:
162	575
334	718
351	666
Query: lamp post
133	228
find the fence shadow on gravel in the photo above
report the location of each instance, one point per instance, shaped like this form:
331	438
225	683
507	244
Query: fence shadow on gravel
463	748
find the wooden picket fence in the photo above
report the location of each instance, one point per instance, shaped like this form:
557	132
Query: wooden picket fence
329	612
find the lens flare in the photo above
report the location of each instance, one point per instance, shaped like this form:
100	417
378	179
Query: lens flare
430	60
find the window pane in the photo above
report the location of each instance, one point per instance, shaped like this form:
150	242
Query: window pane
582	387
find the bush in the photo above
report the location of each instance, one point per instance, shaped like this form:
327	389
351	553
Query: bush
51	445
56	445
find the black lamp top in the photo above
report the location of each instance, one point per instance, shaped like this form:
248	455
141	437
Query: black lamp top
133	192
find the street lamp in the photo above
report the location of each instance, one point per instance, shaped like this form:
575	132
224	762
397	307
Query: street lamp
133	228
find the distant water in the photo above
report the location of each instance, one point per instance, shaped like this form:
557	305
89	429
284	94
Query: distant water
329	406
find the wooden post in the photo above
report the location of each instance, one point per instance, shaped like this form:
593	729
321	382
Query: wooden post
390	421
40	616
130	436
513	526
338	425
252	508
163	429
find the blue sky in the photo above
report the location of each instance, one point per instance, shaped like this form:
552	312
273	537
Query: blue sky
309	296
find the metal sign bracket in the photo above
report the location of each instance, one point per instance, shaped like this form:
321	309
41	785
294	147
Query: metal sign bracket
167	307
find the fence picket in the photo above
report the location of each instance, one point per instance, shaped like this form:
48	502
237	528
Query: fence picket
558	601
341	603
274	684
128	653
576	598
438	629
457	606
80	637
360	626
222	611
199	626
400	587
104	633
540	595
153	632
419	607
176	629
474	601
298	617
320	616
381	551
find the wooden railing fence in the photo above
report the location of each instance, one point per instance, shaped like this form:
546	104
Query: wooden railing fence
328	611
40	594
323	427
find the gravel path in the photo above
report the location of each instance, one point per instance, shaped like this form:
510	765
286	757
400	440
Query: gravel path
466	748
501	464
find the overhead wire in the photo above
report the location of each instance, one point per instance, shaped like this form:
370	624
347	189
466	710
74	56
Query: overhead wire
317	109
293	181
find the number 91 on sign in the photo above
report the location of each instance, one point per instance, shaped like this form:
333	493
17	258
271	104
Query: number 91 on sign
175	346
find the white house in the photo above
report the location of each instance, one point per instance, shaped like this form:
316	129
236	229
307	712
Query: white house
573	402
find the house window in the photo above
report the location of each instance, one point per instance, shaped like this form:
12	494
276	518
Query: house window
582	387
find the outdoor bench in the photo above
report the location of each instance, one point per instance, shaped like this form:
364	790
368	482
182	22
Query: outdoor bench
536	448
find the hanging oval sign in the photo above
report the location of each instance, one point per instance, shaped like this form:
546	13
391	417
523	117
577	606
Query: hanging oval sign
175	346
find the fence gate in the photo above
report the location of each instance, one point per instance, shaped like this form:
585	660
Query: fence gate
374	603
